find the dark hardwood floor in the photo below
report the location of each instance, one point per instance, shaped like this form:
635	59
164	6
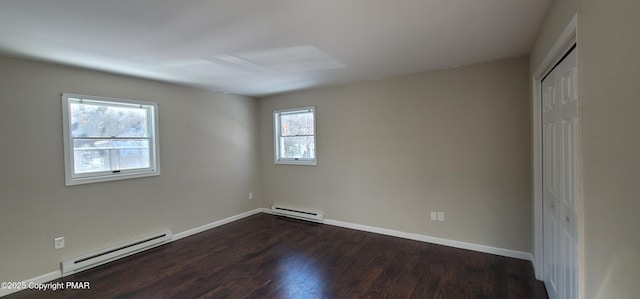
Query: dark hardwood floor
265	256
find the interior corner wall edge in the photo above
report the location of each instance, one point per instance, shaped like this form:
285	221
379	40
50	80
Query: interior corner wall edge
208	156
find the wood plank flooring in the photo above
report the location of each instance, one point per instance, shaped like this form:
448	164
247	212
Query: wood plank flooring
265	256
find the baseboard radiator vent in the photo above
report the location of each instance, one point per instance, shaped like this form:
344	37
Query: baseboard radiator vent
112	253
309	215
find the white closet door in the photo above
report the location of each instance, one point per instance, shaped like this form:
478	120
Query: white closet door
560	178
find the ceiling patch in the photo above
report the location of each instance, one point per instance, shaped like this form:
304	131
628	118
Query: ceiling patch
292	59
243	64
208	68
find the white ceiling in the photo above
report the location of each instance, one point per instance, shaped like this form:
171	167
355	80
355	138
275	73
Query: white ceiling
261	47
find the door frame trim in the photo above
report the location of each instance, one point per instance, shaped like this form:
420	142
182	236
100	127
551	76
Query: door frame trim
569	37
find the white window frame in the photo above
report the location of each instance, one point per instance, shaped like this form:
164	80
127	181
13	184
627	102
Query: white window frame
73	178
277	136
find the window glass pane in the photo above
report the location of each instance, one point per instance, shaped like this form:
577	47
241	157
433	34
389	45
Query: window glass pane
95	119
297	147
108	139
296	124
91	155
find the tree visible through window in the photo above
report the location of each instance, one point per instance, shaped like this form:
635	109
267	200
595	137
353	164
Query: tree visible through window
295	136
107	139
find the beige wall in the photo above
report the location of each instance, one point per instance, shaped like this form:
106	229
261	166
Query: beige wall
208	153
609	46
390	151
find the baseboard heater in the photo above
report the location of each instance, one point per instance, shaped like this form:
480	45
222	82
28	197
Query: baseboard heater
309	215
112	253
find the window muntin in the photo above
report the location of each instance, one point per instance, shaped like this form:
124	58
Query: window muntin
109	139
295	136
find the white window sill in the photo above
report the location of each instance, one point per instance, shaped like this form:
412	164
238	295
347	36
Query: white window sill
292	162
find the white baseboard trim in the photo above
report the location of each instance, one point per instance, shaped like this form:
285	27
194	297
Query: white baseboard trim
266	211
429	239
209	226
440	241
58	274
30	282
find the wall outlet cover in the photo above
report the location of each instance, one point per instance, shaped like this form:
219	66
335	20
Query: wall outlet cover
58	243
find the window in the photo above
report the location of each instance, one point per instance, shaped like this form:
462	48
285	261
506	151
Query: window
108	139
295	136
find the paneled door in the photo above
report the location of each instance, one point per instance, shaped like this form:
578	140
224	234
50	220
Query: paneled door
560	167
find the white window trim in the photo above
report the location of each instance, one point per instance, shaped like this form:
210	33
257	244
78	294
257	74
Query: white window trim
276	139
71	178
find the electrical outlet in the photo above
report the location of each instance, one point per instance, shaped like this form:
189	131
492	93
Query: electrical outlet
434	216
440	216
58	243
250	195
